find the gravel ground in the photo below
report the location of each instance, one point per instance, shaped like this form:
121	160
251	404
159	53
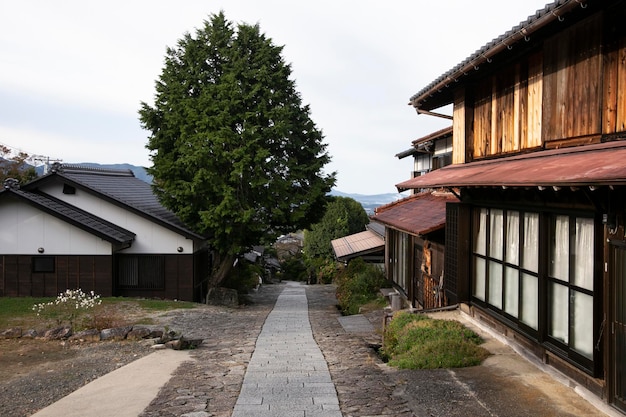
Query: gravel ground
64	370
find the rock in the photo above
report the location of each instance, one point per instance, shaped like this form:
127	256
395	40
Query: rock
138	333
190	343
155	334
91	335
183	344
171	335
13	333
58	333
158	346
173	344
196	414
223	296
29	334
117	333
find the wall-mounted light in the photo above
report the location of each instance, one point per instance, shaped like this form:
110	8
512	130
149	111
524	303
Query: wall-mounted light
40	250
179	249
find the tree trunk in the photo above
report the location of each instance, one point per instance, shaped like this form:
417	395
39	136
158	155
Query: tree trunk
222	266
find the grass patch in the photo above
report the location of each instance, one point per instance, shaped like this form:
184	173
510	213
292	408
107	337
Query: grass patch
17	310
414	341
113	312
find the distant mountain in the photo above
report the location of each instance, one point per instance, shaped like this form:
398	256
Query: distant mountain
370	201
140	172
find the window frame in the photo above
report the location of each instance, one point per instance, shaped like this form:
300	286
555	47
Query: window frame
540	334
43	264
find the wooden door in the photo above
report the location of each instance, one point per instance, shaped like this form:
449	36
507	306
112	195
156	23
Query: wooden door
617	366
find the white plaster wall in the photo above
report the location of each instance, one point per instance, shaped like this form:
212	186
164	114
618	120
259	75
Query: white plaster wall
24	229
150	237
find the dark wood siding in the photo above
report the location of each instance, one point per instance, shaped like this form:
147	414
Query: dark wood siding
89	273
178	280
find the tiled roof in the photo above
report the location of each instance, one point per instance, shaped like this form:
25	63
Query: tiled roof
418	214
123	188
357	244
79	218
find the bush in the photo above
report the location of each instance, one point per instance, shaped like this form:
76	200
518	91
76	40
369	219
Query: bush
244	277
68	306
358	284
414	341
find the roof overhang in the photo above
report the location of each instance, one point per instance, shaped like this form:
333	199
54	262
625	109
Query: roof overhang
590	165
358	244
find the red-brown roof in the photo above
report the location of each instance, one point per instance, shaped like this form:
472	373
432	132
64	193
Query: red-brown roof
599	164
357	244
418	214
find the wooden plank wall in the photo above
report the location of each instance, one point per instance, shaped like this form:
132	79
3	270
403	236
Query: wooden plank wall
568	93
572	82
89	273
179	278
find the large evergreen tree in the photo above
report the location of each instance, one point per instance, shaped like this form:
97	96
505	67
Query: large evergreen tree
235	153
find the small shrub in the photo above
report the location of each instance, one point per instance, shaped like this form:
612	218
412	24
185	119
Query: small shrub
68	306
358	284
414	341
244	277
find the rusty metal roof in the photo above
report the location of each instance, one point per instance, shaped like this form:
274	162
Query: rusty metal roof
418	214
361	243
599	164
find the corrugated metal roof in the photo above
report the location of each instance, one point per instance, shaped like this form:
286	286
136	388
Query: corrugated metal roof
72	215
552	12
357	244
418	214
600	164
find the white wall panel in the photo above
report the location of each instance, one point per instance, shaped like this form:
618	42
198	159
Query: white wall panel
150	237
24	229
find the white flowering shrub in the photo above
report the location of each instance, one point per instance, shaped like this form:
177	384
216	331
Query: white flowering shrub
68	306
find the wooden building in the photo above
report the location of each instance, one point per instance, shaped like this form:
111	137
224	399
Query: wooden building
536	247
414	246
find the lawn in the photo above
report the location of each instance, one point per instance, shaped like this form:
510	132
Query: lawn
18	312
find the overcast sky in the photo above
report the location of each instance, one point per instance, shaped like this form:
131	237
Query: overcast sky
73	72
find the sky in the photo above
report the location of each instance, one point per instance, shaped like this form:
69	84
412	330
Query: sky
73	72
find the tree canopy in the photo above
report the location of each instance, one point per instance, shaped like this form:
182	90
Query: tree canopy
344	216
235	153
15	166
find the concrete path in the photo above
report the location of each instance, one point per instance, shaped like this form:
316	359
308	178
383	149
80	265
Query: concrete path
124	392
356	323
287	375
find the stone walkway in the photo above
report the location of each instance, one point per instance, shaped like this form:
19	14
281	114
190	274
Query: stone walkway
287	375
225	371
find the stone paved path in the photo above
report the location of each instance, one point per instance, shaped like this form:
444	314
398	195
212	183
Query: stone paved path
287	375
